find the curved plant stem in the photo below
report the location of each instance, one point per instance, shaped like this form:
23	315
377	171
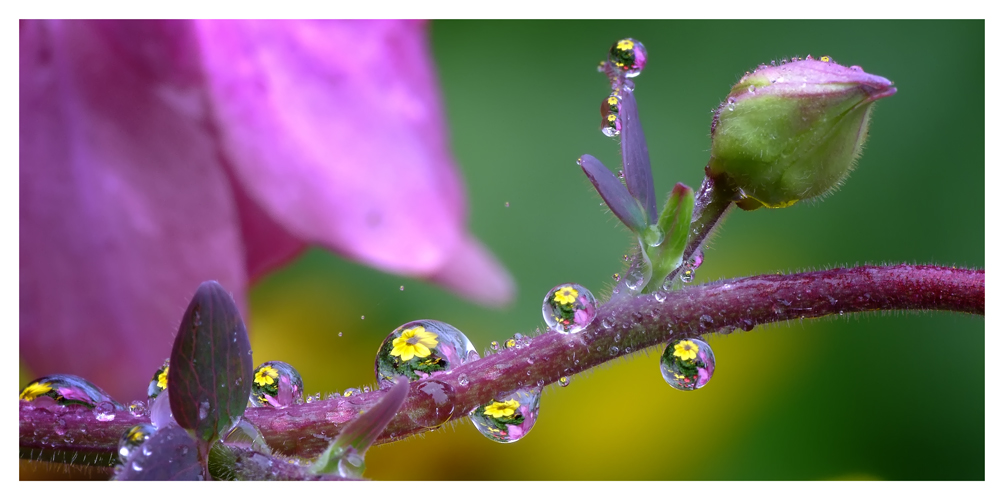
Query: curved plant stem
623	327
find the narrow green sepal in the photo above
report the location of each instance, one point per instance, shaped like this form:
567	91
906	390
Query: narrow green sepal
674	222
345	455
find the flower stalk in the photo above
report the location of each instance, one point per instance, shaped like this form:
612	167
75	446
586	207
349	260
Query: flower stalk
639	322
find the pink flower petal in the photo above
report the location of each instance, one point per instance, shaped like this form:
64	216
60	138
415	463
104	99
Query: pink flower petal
123	208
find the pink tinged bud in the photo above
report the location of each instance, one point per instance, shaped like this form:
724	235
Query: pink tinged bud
155	155
793	131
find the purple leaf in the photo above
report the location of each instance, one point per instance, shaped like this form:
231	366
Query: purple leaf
155	155
211	365
614	193
638	172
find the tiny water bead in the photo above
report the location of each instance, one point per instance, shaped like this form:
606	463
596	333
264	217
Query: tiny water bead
569	308
132	439
509	417
687	364
616	277
159	381
104	411
564	381
138	409
629	56
351	391
418	349
64	390
276	384
495	345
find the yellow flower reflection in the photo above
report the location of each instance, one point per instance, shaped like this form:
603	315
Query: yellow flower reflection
502	409
265	376
625	45
161	380
565	295
686	350
35	390
414	342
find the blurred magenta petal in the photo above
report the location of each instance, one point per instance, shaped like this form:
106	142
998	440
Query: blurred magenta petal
155	155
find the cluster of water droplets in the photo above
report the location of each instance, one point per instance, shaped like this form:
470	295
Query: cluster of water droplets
626	59
687	364
276	384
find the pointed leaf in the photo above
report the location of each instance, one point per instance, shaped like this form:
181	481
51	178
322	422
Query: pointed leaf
638	172
356	437
614	193
675	222
168	455
211	367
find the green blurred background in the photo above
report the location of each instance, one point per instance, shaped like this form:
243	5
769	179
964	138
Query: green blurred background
876	396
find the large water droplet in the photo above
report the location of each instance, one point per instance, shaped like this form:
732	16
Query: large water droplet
132	439
628	56
687	364
246	435
508	417
65	390
569	308
418	349
276	384
104	411
159	381
159	410
635	278
437	400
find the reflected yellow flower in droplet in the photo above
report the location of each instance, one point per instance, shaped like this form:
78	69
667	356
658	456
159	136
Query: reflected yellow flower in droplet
565	295
416	341
265	376
161	380
35	390
502	409
686	350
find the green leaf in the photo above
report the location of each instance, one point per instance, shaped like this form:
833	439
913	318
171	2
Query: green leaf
674	221
345	455
211	365
168	455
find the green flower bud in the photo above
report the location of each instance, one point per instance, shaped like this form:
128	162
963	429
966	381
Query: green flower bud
793	131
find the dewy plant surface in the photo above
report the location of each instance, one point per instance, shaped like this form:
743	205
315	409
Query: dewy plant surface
855	362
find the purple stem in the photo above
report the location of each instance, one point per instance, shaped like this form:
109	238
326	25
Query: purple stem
623	327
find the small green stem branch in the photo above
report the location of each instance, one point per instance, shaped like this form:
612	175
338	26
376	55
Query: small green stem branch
620	328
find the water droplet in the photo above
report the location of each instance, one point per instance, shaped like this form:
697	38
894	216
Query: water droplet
276	384
611	126
618	337
136	467
752	89
246	435
362	317
653	236
418	349
463	380
132	439
660	296
366	389
564	381
687	273
340	334
628	350
510	343
628	56
569	308
64	390
351	391
506	204
104	411
158	382
509	416
203	409
402	288
616	277
613	350
159	410
436	403
636	277
687	364
705	320
60	427
495	345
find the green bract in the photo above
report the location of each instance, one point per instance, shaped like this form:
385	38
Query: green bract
793	131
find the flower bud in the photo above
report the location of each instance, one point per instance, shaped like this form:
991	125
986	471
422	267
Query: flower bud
793	131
